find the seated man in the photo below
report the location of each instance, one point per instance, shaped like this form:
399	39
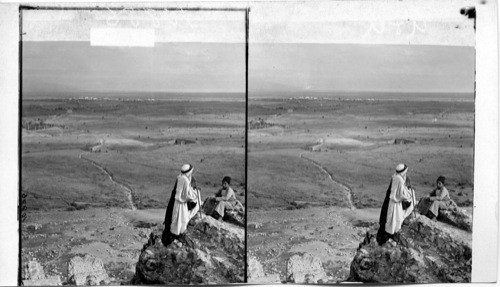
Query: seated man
439	199
225	197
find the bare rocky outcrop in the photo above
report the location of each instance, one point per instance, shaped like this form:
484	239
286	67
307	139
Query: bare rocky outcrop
88	270
234	216
425	252
33	275
256	273
454	215
305	269
212	252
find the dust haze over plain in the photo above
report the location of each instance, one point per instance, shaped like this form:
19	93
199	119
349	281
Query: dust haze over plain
64	69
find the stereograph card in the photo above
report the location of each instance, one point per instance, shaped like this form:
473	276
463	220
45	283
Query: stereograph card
258	142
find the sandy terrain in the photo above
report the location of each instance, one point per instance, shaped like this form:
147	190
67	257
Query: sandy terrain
319	170
115	235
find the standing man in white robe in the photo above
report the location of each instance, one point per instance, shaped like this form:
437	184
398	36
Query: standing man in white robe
399	193
183	194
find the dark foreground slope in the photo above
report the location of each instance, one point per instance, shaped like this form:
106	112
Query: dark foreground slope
426	252
215	255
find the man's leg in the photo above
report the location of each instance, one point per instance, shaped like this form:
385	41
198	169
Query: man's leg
434	209
220	208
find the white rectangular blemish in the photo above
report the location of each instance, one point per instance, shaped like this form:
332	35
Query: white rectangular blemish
128	37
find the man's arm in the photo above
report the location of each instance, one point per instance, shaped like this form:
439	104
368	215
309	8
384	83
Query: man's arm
431	196
218	193
444	193
229	193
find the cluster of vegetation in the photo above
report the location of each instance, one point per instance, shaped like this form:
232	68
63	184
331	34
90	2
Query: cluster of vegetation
38	124
260	123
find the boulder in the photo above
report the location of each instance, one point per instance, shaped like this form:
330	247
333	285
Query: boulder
453	215
235	216
256	273
305	269
32	270
33	275
210	252
456	217
424	252
88	270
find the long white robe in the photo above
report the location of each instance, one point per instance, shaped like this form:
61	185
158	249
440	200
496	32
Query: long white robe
181	214
395	212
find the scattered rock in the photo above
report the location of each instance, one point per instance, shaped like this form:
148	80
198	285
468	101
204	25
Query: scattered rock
305	269
254	225
33	226
87	270
425	253
256	273
210	252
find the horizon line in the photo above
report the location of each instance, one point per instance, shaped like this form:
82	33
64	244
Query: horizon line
259	42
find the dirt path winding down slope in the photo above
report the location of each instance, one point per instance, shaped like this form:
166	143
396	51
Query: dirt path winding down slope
127	190
347	190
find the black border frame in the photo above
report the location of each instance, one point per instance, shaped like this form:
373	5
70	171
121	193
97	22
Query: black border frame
21	196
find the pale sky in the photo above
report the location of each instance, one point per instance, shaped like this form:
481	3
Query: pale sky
408	46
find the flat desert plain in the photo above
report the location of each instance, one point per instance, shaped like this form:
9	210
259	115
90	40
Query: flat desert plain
319	169
98	173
